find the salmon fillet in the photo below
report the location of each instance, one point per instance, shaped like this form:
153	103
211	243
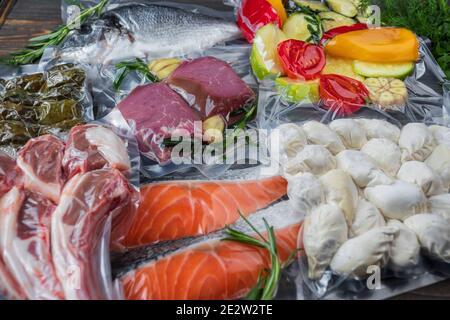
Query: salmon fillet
179	209
214	270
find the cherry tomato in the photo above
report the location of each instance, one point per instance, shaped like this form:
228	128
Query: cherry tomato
330	34
301	60
254	14
342	94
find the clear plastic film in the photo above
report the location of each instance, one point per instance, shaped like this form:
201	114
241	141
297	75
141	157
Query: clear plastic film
374	195
41	99
64	204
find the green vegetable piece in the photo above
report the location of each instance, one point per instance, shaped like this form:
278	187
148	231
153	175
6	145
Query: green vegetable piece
331	20
315	6
383	70
344	7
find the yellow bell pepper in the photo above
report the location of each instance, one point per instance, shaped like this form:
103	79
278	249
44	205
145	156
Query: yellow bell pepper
279	8
388	45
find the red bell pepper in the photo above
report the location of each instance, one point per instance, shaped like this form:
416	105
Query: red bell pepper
342	94
254	14
330	34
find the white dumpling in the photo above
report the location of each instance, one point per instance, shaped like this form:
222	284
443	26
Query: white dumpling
369	249
385	153
341	190
441	134
290	138
380	129
398	200
361	168
351	133
324	231
433	232
305	192
439	162
405	250
313	158
367	217
420	174
320	134
440	205
416	142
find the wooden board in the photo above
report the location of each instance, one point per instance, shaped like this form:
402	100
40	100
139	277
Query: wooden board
31	18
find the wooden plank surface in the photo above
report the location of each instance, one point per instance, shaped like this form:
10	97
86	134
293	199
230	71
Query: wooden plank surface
30	18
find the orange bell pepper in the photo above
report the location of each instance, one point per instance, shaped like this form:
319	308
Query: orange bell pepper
385	45
279	8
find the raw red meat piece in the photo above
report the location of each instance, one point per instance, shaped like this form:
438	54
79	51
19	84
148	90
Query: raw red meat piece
79	231
156	112
9	287
91	147
213	86
41	163
9	173
26	243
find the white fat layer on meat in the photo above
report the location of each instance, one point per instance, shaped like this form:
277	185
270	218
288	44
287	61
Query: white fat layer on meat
110	146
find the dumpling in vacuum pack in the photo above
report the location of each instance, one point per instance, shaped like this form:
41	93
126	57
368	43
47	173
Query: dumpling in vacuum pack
361	168
439	162
321	134
416	142
352	134
313	158
441	134
324	231
385	153
405	250
371	248
380	129
367	217
341	190
398	200
419	173
289	137
440	205
305	192
433	232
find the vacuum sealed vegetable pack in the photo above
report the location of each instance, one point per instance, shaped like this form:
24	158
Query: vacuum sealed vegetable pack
41	99
332	59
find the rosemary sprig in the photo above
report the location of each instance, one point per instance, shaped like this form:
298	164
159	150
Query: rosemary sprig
266	286
313	19
125	67
37	45
249	114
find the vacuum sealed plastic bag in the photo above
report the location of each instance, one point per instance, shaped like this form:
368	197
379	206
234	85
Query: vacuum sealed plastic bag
225	269
41	99
189	207
370	203
63	204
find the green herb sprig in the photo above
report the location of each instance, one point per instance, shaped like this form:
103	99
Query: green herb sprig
314	21
125	67
37	45
267	283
